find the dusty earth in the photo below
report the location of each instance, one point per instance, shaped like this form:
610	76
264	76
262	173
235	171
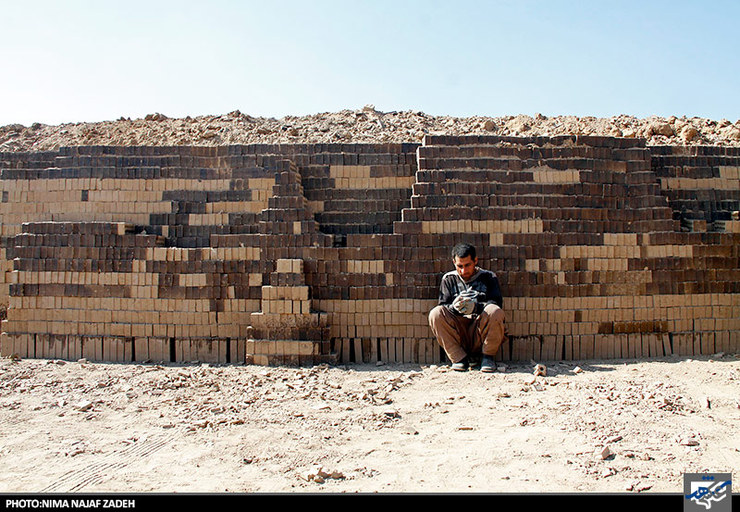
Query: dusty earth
597	426
366	125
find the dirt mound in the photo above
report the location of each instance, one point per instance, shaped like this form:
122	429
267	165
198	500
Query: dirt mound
366	125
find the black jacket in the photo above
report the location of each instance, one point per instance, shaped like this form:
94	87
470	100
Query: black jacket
484	282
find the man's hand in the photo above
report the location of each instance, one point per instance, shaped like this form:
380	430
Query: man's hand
465	303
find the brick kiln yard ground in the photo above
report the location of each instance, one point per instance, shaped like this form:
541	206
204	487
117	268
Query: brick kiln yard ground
586	426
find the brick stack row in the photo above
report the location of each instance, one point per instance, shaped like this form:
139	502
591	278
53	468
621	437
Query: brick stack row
591	260
298	254
702	185
287	329
184	194
350	188
101	291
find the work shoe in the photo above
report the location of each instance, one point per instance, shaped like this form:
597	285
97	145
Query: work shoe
461	366
487	364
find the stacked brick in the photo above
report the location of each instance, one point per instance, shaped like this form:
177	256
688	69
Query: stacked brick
355	192
591	260
100	291
300	254
350	188
702	185
287	330
375	310
191	296
183	193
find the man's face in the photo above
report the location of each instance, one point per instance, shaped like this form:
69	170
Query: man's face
465	266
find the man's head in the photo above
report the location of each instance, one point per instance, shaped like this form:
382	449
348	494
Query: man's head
465	260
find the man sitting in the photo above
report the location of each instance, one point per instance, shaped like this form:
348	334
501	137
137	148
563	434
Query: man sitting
469	318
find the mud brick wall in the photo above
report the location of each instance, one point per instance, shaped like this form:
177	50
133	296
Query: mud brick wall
309	253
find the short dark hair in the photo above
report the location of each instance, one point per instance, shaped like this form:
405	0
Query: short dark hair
463	250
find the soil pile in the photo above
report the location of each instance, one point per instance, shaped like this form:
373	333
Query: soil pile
366	125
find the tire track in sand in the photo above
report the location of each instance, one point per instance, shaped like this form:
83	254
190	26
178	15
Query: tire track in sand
89	475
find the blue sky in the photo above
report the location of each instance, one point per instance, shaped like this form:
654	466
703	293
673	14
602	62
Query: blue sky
74	60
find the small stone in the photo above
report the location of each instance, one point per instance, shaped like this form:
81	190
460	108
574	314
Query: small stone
608	472
629	133
660	128
83	405
577	369
155	117
639	487
606	453
689	133
320	475
731	133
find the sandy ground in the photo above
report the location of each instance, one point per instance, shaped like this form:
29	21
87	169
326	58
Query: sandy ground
584	427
